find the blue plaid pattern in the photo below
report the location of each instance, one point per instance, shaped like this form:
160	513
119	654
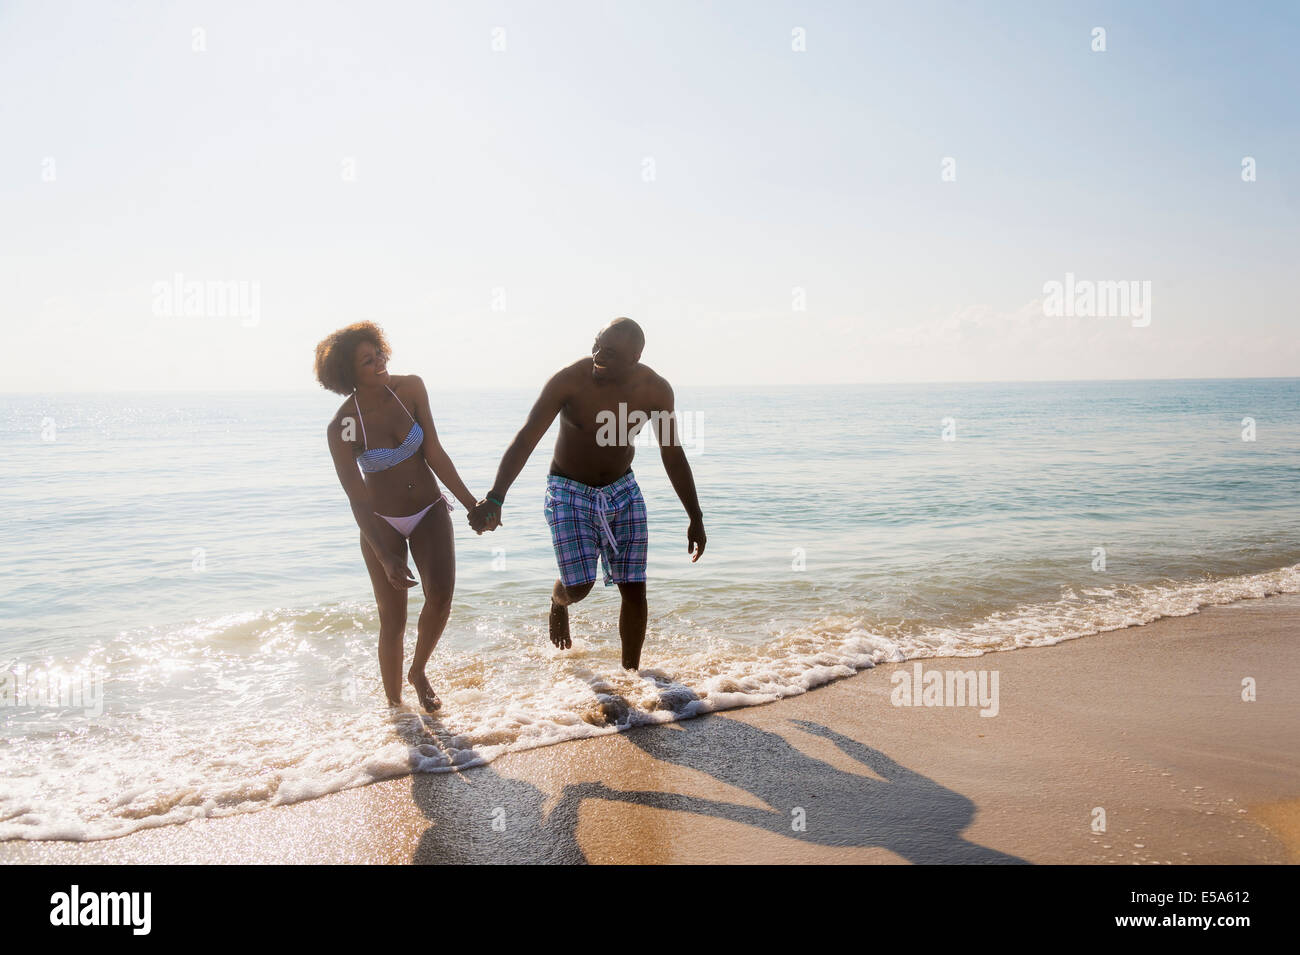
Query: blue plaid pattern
574	512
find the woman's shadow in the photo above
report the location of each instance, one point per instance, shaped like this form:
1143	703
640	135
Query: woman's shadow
477	815
810	800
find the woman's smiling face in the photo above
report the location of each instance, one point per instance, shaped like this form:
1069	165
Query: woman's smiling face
370	367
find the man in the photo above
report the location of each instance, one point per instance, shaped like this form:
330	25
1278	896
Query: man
593	504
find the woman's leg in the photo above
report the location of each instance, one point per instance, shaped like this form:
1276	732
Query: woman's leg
392	619
433	549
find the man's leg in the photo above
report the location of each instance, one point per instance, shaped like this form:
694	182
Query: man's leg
631	623
574	539
561	597
628	569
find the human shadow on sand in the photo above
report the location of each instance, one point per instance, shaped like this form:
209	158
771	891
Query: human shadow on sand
477	815
480	816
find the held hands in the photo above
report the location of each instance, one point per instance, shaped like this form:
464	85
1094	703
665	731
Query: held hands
695	539
485	516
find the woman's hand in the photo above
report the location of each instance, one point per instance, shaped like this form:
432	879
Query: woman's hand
485	516
399	574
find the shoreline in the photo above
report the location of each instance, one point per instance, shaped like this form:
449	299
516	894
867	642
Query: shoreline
1145	725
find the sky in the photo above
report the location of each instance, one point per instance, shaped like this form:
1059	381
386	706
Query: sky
780	193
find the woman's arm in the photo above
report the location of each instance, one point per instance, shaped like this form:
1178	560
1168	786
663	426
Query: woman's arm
434	455
345	466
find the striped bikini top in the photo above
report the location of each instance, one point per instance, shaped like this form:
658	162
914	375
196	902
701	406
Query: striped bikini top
381	459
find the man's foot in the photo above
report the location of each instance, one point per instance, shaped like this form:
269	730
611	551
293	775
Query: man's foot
424	691
560	626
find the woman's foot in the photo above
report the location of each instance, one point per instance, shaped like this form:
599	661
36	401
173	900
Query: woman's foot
424	691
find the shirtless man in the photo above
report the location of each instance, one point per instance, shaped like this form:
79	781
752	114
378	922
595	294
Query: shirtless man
593	504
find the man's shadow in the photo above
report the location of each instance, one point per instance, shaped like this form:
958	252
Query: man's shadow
480	816
812	801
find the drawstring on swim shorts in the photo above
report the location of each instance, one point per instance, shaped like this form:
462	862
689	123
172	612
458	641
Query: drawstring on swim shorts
603	506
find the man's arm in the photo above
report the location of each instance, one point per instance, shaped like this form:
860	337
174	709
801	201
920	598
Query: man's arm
554	394
679	473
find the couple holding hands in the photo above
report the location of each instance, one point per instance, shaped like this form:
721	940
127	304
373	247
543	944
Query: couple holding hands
593	504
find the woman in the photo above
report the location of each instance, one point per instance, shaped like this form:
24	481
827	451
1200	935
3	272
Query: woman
385	429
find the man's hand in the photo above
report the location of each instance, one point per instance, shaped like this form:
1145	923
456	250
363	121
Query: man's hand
485	516
695	539
398	573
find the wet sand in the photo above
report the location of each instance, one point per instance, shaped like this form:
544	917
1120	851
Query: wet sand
1145	728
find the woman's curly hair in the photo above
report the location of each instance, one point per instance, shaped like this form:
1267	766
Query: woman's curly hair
336	355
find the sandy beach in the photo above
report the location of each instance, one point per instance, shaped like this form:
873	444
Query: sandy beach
1147	725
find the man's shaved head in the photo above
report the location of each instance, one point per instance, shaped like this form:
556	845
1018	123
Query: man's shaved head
617	350
629	332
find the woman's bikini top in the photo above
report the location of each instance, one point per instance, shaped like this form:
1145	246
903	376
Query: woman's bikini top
381	459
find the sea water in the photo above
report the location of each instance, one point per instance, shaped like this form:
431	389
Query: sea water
190	563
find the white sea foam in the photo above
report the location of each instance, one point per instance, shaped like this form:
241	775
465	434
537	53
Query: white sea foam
255	710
